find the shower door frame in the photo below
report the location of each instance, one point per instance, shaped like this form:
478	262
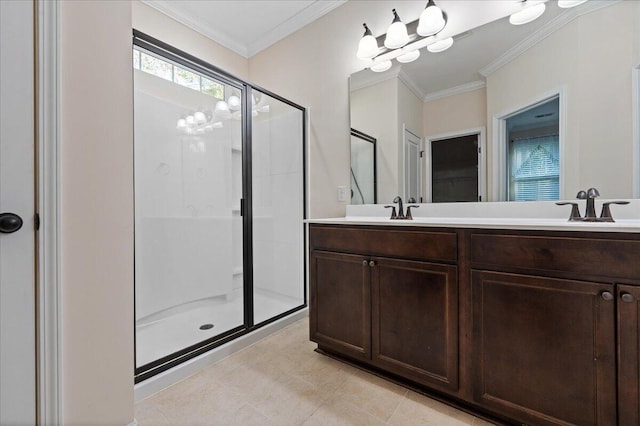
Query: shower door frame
164	50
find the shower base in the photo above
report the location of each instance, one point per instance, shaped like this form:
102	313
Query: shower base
174	329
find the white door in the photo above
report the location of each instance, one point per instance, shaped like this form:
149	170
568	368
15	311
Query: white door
17	258
412	167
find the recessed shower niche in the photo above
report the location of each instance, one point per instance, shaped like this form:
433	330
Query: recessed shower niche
219	205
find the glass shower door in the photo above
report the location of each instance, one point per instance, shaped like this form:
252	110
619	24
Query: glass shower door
188	227
278	206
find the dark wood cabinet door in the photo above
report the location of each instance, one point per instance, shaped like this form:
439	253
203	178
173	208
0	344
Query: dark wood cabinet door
415	321
544	349
628	355
340	303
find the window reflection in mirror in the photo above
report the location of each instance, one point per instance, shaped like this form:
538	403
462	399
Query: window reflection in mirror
534	153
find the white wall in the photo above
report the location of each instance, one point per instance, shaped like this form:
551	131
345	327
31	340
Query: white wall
595	72
96	212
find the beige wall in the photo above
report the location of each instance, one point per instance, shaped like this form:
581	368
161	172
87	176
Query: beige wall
595	74
374	111
455	113
312	67
158	25
96	212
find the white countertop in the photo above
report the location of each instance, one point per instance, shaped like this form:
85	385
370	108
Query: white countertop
543	216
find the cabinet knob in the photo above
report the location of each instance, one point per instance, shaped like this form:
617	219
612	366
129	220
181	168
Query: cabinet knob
365	263
372	263
626	297
606	295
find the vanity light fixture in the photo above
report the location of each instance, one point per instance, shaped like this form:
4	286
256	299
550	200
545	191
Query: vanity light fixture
530	12
380	66
399	44
397	35
233	102
440	46
411	56
368	47
565	4
432	20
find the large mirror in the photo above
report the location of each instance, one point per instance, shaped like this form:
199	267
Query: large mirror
555	100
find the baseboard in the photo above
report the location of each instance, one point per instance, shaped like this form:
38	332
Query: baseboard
167	378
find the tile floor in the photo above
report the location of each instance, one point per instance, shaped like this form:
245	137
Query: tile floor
280	380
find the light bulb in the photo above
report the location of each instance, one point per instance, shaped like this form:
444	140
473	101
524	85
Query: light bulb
199	117
528	14
380	66
191	120
222	110
405	58
234	102
368	46
397	35
431	20
565	4
182	124
440	46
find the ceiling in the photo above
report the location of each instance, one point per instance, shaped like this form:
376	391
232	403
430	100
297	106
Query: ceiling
247	26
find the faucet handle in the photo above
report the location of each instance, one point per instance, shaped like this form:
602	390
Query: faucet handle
408	214
575	211
605	216
411	200
393	211
592	193
581	195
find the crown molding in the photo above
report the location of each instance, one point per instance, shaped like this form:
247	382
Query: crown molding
373	78
463	88
306	16
402	76
542	33
198	26
288	27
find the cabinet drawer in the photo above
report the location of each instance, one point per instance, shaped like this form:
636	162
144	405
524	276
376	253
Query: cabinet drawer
406	244
585	256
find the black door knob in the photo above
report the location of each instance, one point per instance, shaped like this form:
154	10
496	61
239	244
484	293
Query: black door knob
9	222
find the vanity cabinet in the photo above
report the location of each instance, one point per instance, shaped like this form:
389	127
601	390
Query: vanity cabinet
628	298
544	349
527	327
415	321
397	314
341	303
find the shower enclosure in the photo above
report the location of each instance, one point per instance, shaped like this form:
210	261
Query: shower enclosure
219	205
